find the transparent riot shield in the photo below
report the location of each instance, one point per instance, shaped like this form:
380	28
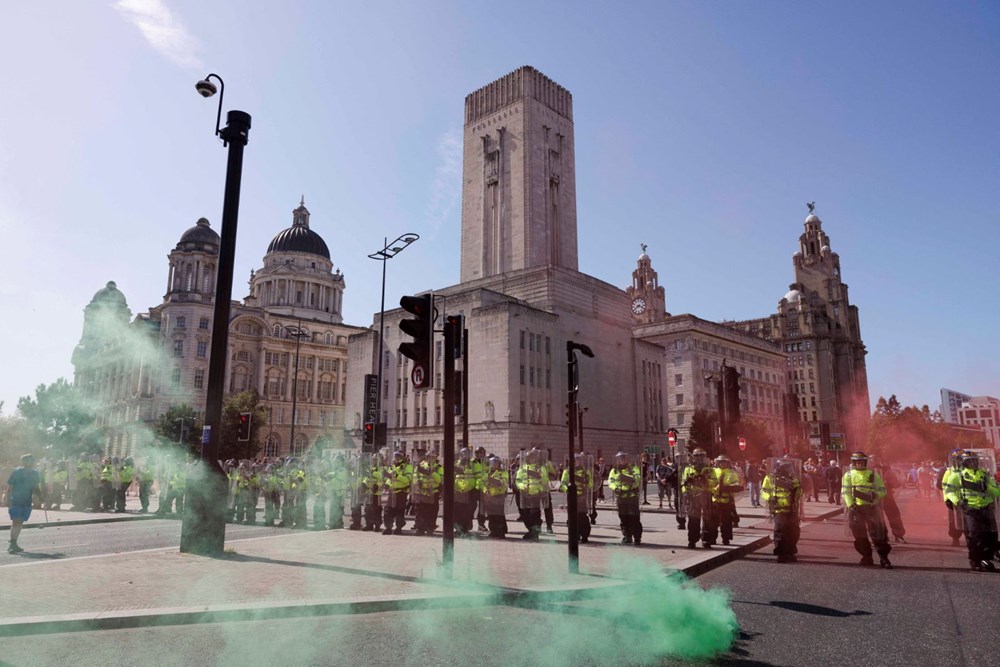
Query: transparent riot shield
696	479
625	480
359	470
584	464
374	481
532	479
988	462
392	467
466	480
496	486
781	488
680	462
425	483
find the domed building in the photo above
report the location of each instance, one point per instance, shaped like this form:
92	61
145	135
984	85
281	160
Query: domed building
291	317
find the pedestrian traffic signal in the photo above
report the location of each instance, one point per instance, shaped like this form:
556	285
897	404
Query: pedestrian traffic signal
369	433
244	428
422	330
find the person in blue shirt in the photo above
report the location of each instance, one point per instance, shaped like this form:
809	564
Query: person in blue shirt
23	484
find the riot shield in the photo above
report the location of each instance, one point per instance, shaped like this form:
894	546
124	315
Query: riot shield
625	480
681	461
497	484
373	480
424	483
358	471
584	465
988	462
532	479
389	474
782	486
465	477
696	479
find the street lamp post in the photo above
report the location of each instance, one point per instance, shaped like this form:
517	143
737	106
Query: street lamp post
573	387
298	332
203	530
389	251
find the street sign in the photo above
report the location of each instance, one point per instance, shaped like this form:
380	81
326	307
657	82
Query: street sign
206	433
743	444
672	437
652	449
371	398
838	442
418	375
815	442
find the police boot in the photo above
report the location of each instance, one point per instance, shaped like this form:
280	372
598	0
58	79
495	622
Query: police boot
867	560
883	561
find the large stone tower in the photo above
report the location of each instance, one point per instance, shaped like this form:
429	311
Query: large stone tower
518	177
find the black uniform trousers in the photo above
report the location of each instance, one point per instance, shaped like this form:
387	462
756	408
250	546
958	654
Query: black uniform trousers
980	533
396	510
786	533
722	520
868	528
628	516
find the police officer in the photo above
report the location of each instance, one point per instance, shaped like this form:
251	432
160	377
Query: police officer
950	484
397	482
466	484
426	485
146	476
724	490
584	488
974	491
696	486
532	481
480	465
863	490
781	493
495	496
626	481
125	476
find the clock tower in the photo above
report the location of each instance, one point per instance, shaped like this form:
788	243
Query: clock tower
647	299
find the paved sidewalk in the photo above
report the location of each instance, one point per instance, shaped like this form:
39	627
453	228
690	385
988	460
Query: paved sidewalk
337	572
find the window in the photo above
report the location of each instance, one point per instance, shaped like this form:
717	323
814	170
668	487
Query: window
328	338
404	418
678	380
175	378
242	355
522	411
276	331
202	348
178	348
522	374
548	378
531	376
203	324
199	378
522	341
679	399
548	342
812	386
438	347
180	322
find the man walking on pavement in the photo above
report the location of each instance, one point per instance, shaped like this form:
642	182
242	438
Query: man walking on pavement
22	485
833	477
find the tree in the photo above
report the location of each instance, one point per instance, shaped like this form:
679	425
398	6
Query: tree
62	420
914	434
703	429
179	424
230	446
760	442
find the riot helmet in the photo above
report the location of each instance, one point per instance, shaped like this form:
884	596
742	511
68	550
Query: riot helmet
533	456
970	460
859	461
698	456
621	459
464	454
495	463
723	461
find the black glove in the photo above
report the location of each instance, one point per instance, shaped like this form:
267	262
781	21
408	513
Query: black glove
949	504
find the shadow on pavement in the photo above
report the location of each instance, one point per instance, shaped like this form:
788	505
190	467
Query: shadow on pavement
806	608
38	555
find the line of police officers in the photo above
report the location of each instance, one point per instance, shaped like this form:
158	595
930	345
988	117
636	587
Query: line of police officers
91	483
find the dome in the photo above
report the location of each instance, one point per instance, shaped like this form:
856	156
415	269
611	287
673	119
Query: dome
812	218
202	233
825	250
109	294
793	296
299	239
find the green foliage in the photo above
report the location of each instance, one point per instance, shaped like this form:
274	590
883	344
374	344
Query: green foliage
179	424
229	445
61	420
702	433
914	434
760	442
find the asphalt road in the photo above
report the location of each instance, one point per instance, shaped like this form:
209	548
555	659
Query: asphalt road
930	609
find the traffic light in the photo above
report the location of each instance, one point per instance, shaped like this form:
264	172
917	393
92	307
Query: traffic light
244	429
731	382
369	433
422	330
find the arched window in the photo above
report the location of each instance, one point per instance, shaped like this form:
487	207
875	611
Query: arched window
276	331
301	442
328	338
273	446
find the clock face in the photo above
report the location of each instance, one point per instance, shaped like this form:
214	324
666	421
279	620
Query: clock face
638	306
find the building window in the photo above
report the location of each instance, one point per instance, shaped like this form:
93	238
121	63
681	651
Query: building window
180	322
178	348
679	399
199	378
531	343
203	324
522	411
522	374
242	355
548	378
678	380
522	341
202	348
276	332
680	419
531	376
548	342
175	378
404	418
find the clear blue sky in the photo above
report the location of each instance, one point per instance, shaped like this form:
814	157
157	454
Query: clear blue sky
701	129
